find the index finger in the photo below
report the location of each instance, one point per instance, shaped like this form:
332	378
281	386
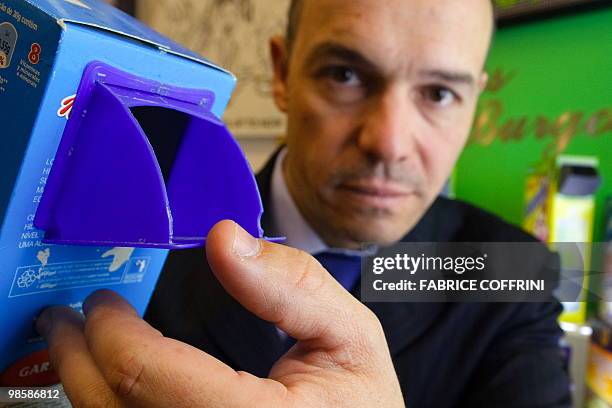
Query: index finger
145	368
62	328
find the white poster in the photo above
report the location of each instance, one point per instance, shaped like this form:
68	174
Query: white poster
233	34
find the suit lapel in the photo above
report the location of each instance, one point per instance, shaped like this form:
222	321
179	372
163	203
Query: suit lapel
404	322
250	343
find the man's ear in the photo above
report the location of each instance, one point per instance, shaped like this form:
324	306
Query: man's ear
484	80
278	52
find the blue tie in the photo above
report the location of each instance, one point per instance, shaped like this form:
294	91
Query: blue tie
346	269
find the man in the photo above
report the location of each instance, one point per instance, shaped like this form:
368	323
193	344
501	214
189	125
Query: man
380	96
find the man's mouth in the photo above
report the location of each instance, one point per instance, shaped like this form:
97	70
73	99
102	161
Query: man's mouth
375	193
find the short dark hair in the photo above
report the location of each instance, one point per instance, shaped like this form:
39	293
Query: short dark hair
295	12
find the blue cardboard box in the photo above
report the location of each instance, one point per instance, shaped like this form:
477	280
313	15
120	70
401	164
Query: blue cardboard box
45	46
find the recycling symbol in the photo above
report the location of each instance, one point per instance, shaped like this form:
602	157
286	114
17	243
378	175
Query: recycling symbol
27	278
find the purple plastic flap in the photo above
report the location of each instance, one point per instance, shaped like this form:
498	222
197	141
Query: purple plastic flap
143	164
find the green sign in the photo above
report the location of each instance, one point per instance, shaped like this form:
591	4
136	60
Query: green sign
550	92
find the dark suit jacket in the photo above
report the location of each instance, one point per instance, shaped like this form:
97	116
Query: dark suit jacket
445	354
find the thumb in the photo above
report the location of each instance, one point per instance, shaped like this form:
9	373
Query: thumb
289	288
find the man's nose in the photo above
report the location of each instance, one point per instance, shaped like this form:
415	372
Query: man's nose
387	134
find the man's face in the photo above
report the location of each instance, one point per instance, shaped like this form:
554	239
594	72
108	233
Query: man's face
380	96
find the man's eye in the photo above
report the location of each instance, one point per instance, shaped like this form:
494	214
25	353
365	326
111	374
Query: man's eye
343	75
440	96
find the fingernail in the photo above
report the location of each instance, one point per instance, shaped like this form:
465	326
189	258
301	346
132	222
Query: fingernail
245	246
44	323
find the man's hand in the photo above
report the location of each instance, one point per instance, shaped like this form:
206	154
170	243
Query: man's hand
113	358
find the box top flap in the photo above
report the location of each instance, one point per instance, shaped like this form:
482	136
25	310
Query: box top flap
98	14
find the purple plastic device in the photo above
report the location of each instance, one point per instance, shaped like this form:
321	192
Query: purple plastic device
143	164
